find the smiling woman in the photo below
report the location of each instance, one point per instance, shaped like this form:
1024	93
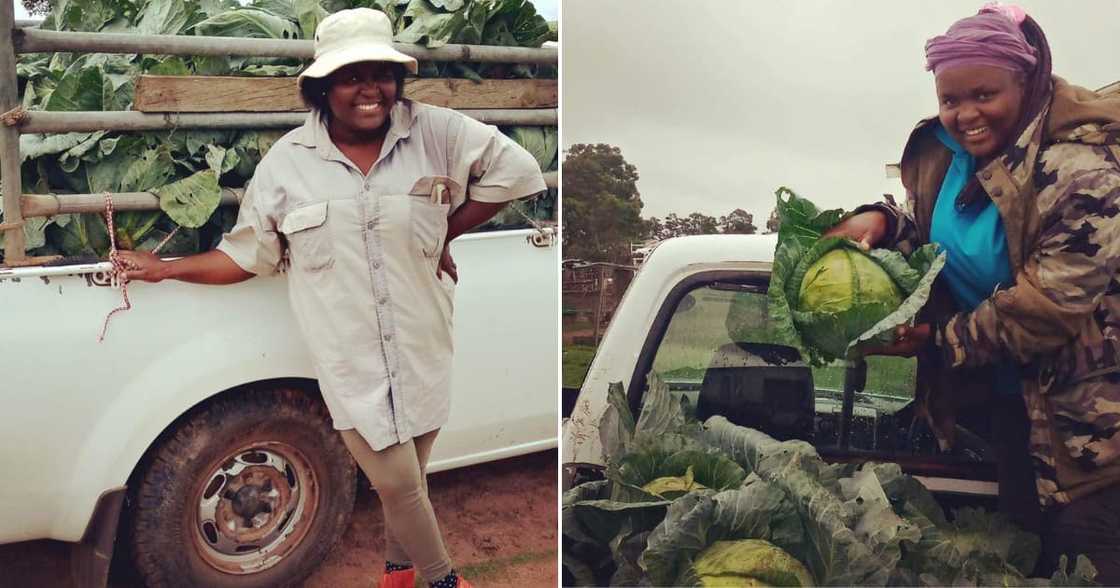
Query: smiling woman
355	101
361	204
980	105
1018	179
387	78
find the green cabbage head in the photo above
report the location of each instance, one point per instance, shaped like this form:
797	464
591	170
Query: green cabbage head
827	297
849	285
749	562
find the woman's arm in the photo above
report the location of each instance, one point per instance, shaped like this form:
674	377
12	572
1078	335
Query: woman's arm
900	231
252	247
468	216
867	229
879	225
471	214
499	170
212	267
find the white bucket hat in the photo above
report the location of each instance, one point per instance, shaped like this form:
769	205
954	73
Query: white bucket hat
351	36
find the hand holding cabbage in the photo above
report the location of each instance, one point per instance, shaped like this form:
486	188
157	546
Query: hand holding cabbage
867	229
832	298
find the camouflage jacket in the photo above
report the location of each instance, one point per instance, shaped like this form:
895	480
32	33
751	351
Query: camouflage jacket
1058	194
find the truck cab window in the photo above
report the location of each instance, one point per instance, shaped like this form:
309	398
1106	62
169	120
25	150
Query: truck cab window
719	352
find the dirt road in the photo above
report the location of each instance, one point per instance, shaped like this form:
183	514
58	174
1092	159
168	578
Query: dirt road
499	521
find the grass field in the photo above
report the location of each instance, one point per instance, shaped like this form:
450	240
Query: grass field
576	360
715	318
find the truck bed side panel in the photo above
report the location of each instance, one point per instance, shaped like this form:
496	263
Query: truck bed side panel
78	415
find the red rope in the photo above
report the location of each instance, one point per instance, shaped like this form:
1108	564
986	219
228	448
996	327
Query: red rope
119	266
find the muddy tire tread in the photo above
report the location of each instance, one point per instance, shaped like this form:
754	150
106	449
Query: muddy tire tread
155	519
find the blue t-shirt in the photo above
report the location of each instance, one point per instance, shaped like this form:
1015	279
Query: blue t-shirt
973	238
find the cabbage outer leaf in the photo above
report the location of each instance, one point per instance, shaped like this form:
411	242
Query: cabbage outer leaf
883	332
800	220
698	520
836	549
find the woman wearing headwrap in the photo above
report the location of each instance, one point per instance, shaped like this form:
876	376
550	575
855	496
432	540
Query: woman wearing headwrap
1018	179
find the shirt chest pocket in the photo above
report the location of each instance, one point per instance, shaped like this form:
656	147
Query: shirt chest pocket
429	202
308	235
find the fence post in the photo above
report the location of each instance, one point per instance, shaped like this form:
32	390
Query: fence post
602	279
12	226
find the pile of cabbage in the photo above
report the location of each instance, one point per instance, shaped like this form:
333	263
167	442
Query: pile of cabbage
715	504
828	298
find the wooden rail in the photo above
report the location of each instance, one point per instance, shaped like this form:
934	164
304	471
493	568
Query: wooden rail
166	102
249	94
39	121
30	40
40	205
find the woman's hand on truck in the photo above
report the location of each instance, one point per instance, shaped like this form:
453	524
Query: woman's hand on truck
212	267
142	265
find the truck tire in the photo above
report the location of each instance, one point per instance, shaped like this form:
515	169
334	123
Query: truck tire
251	490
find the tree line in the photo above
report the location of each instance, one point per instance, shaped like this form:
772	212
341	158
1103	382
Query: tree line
602	209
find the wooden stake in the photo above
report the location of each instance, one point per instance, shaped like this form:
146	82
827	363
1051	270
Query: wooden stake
15	244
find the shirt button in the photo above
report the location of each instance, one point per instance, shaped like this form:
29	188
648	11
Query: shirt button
388	338
997	192
986	175
369	225
376	265
382	300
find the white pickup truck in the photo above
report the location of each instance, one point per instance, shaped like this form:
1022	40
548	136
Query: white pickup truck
199	414
696	315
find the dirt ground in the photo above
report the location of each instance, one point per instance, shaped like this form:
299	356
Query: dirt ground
498	519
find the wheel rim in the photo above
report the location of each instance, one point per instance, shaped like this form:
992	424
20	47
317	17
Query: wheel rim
253	507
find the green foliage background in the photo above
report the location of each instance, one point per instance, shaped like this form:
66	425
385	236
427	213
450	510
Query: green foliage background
187	168
602	207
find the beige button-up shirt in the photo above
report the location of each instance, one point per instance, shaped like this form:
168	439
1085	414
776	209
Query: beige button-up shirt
363	255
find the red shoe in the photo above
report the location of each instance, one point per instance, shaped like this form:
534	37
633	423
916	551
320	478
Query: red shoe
398	579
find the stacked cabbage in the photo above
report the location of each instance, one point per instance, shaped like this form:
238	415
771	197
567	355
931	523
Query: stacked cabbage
684	504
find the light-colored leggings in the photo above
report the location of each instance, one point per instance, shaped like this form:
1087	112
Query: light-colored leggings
399	474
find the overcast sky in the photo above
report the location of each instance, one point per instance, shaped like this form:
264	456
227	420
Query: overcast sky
720	102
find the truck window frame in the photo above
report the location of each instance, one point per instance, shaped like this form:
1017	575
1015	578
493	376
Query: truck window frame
635	390
938	466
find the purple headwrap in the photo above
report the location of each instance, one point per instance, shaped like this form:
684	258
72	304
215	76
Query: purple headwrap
991	37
